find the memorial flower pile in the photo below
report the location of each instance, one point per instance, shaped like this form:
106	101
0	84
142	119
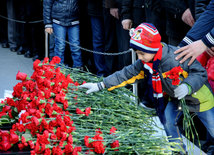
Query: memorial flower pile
51	115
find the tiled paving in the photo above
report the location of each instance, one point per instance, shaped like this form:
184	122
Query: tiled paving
10	64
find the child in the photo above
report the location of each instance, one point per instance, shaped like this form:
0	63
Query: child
156	58
62	18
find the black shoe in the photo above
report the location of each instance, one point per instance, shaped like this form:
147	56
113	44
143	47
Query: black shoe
13	49
28	54
4	45
21	51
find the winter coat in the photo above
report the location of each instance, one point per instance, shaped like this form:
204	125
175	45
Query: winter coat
128	6
63	12
174	9
95	7
202	29
200	7
201	98
134	10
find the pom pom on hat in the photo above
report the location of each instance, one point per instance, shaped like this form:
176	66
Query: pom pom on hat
146	38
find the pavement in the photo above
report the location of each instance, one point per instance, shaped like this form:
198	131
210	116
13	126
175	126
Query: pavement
11	63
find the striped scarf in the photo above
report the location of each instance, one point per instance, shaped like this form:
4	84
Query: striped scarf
154	89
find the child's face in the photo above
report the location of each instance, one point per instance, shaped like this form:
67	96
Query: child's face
146	57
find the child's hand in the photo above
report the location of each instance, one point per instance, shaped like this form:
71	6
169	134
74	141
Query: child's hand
93	87
181	91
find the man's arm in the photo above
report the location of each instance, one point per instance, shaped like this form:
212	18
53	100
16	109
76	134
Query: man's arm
127	75
126	14
47	9
199	38
123	76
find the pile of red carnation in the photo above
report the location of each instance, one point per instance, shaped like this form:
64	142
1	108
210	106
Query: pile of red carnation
42	123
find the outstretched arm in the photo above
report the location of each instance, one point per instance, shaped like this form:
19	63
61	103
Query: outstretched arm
127	75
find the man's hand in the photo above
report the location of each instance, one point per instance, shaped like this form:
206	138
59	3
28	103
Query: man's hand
49	30
114	12
188	18
127	24
192	50
181	91
93	87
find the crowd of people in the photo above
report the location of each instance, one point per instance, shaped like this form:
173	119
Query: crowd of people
105	26
22	27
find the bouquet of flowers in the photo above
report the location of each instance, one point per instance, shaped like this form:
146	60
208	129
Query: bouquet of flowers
50	115
188	124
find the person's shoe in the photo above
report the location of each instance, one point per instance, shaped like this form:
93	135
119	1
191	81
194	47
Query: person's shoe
28	54
4	45
13	49
21	51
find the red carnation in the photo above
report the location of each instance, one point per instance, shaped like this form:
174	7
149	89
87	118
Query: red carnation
55	60
115	144
112	130
78	111
21	76
87	111
68	148
14	138
5	146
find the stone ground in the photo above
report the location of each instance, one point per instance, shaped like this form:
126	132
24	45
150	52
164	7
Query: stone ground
11	63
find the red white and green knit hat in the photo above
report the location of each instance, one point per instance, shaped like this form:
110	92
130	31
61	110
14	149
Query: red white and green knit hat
145	38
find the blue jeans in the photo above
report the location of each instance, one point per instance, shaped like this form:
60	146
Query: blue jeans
73	38
172	115
97	25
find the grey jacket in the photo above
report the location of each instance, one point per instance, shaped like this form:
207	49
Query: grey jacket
197	79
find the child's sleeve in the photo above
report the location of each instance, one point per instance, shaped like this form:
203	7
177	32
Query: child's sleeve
197	75
125	76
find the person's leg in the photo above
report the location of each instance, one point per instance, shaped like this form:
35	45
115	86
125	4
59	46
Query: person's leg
98	43
11	26
110	41
172	115
60	36
207	118
123	39
73	37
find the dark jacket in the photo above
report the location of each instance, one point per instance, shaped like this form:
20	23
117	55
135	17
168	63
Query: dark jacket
200	7
174	9
201	98
133	10
63	11
202	29
128	6
95	7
